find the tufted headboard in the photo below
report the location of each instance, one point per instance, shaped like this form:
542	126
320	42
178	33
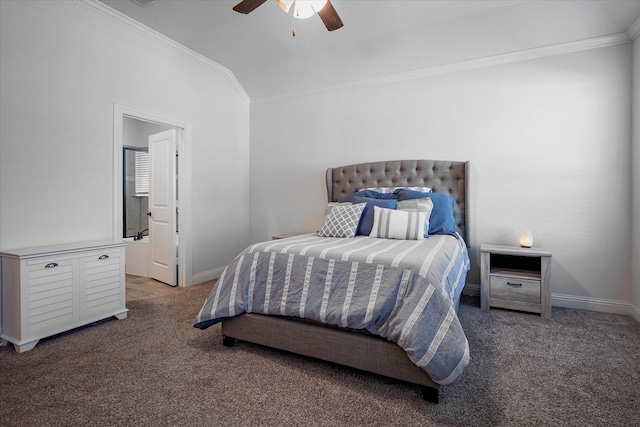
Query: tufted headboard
443	177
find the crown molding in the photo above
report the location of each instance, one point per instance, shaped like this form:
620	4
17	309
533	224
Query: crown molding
634	30
454	67
559	49
132	24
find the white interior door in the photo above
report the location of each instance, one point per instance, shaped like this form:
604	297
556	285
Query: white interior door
162	206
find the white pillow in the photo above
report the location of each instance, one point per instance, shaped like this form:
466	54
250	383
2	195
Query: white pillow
341	220
418	205
395	224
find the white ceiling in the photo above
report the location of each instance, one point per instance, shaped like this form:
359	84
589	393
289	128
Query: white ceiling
379	37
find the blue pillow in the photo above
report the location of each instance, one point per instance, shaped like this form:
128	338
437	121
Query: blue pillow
403	194
372	194
441	220
366	220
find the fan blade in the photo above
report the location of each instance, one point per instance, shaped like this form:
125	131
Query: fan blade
330	17
246	6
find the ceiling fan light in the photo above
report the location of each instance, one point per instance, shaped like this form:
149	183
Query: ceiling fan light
305	8
285	5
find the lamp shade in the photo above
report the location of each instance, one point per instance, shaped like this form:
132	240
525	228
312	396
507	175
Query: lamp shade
306	8
285	5
526	239
302	9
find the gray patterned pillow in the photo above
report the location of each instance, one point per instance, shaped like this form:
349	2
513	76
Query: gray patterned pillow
342	220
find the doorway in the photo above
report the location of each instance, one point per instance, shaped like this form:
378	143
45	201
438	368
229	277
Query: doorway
132	128
153	250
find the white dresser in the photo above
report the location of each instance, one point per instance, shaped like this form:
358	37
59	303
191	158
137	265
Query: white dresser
51	289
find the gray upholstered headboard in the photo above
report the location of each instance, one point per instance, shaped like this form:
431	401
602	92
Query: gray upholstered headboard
442	176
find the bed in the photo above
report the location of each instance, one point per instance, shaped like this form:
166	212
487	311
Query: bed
381	305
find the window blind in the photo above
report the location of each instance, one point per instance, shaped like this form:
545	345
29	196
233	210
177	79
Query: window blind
142	173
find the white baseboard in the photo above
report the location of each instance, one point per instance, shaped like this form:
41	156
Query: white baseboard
207	275
578	303
593	304
635	313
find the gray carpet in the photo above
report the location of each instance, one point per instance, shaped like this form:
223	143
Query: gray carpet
154	369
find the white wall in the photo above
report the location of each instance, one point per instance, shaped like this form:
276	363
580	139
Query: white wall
135	133
636	179
63	65
556	129
548	141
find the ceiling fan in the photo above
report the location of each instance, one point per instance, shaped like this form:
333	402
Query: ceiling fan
301	9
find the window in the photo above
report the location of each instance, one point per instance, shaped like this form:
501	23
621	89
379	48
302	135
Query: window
142	173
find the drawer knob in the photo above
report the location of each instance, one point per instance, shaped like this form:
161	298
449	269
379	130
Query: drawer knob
104	257
51	265
515	285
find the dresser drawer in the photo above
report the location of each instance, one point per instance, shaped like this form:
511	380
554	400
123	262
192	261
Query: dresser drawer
51	299
515	288
104	290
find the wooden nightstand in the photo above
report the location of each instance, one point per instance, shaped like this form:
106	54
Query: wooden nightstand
515	278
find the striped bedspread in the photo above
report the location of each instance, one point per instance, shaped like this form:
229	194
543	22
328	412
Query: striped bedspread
404	290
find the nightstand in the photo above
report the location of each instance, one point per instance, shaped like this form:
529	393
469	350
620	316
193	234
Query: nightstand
515	278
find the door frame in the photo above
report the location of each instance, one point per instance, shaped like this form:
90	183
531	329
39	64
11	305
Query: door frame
184	181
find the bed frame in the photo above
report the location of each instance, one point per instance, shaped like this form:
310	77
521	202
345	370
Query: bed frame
356	349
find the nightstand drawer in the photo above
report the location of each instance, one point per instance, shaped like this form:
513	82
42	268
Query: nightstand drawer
515	288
